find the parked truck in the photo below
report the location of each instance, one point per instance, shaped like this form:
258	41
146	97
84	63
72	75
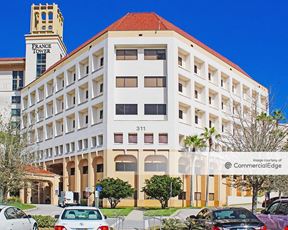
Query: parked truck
68	198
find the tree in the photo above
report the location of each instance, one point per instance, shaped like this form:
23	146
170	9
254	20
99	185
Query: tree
193	143
256	131
209	137
14	155
115	190
162	188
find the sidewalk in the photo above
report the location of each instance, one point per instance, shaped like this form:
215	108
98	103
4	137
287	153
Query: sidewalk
135	220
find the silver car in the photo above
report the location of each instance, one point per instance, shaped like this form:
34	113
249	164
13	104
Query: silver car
81	218
12	218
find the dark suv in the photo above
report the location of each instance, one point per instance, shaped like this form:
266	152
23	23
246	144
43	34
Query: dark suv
275	216
225	218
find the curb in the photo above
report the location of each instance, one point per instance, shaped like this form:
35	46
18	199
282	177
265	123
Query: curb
30	209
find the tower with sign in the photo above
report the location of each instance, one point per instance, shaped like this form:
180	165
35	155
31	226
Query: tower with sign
44	43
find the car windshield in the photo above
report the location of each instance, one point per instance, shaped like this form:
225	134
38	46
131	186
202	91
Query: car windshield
81	214
233	214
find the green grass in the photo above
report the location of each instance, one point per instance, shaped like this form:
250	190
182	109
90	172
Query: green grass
159	211
110	212
21	206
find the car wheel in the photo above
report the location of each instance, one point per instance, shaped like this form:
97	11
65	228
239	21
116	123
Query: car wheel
35	227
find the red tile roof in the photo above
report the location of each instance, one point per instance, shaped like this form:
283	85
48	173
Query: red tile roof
148	21
36	170
13	59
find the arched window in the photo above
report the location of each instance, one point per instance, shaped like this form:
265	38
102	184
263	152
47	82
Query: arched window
183	165
155	163
50	16
43	16
125	163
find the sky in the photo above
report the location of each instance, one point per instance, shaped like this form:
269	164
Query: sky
251	33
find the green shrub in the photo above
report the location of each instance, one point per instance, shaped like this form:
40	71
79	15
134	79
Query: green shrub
83	202
172	223
45	221
14	199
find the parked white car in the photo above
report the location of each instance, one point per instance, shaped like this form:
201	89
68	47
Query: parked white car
12	218
81	218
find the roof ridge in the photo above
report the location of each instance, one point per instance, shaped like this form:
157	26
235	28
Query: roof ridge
160	20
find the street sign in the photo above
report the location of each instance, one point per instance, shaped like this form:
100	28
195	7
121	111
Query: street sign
99	188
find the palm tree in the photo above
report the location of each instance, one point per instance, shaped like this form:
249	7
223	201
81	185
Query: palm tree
193	143
209	136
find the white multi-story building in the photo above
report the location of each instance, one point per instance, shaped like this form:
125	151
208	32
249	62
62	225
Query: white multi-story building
11	81
122	103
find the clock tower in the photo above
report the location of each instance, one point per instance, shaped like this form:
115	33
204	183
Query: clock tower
44	43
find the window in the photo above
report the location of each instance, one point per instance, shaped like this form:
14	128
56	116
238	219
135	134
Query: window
101	88
15	124
148	138
180	114
126	82
155	109
197	195
16	99
163	138
118	138
100	140
87	69
85	169
195	69
211	196
10	213
72	171
154	54
86	119
101	61
15	112
196	119
222	82
210	124
210	100
132	138
283	209
86	94
273	208
209	76
180	87
126	167
18	79
99	168
222	128
154	82
155	167
222	105
126	109
40	64
130	54
196	94
180	61
101	114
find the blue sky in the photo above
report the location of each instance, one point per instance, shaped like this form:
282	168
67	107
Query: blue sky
251	33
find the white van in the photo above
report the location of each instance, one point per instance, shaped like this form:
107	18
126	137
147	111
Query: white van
68	198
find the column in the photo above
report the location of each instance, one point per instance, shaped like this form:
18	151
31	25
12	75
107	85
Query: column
29	193
140	178
77	176
90	178
21	195
65	175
